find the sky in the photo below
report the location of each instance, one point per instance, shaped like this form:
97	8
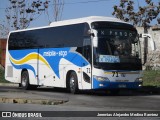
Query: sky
77	10
71	11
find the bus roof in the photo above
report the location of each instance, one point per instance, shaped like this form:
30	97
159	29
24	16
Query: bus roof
85	19
76	21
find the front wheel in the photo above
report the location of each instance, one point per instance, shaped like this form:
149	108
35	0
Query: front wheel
73	83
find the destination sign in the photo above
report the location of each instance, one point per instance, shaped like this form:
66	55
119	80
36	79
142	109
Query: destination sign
114	32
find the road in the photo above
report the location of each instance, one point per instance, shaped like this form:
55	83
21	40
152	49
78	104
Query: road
85	101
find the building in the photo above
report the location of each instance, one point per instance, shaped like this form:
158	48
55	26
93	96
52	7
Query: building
3	42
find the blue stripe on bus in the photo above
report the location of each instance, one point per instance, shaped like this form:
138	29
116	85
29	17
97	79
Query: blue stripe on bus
19	54
56	54
52	56
114	85
24	66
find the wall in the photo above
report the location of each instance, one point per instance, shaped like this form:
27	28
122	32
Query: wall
2	51
153	57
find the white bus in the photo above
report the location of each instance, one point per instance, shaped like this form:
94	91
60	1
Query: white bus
79	54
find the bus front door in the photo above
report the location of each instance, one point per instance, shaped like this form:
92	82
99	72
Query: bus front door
86	67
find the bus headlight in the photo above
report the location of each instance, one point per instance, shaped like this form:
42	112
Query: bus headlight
99	78
139	80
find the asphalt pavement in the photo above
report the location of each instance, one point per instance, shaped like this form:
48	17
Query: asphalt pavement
13	98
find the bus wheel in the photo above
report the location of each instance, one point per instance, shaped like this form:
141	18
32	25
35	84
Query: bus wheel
73	83
25	80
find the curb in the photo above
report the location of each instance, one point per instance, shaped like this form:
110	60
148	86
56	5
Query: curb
31	101
9	84
28	100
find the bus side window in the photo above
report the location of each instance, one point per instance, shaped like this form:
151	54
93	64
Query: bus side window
87	49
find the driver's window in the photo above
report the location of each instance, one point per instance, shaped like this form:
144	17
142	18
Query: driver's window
87	49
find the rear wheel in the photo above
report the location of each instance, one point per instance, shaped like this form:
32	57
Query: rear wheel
25	80
73	83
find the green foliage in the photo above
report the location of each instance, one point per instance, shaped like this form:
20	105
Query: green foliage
142	16
2	79
151	78
21	12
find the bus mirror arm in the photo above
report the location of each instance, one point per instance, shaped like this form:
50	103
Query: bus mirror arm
145	35
152	43
95	42
91	33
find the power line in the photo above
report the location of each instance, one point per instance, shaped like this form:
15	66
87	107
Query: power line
90	1
83	2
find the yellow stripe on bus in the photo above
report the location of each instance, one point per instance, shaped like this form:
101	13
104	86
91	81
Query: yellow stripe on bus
29	57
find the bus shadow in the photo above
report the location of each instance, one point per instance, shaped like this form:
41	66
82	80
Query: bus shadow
150	90
144	91
52	89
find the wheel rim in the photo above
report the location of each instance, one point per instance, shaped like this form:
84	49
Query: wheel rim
24	80
72	83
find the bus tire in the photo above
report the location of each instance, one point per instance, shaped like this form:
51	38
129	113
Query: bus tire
25	81
20	85
73	83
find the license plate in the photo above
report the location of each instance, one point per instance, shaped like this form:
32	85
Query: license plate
122	86
122	80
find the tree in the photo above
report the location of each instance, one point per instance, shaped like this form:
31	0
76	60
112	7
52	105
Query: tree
142	17
21	13
57	10
3	30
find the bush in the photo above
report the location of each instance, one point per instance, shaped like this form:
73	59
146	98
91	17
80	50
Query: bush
151	78
2	79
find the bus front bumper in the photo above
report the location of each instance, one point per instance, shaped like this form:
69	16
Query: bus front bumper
115	85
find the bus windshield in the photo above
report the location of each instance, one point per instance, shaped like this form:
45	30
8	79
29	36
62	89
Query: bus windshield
117	49
119	46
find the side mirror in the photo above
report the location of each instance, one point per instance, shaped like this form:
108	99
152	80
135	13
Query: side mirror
89	32
152	43
95	42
